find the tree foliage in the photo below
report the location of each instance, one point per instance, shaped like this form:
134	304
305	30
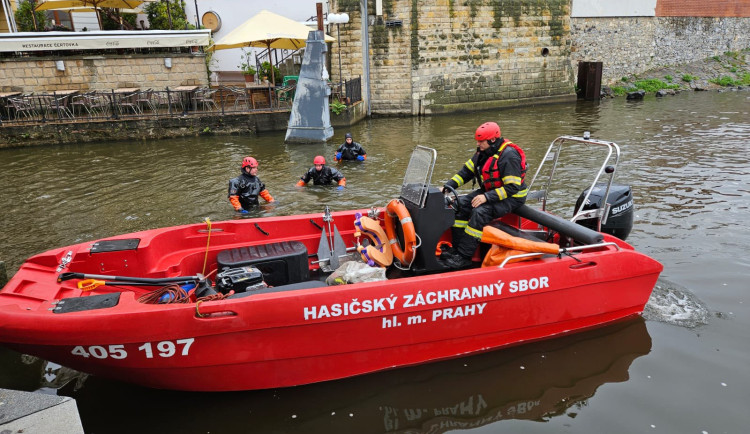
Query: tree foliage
24	20
158	16
111	19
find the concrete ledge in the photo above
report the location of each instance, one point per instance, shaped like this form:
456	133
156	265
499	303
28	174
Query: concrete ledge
434	109
32	413
353	114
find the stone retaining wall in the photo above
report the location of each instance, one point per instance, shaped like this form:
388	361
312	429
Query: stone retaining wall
633	45
39	74
140	129
432	56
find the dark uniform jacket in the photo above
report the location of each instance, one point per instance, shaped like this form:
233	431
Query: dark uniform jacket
508	167
350	152
324	177
247	187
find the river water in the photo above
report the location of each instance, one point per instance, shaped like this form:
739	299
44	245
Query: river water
682	369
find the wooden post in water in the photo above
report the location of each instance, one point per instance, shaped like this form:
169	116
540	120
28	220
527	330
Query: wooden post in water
589	80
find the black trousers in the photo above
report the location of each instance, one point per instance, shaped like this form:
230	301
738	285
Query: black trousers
473	220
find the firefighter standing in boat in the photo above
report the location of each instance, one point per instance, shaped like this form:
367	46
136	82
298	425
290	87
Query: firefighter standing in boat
245	189
322	174
499	166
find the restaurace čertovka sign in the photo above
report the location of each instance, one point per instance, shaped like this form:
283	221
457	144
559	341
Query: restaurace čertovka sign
97	40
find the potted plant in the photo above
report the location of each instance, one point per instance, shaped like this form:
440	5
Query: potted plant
247	68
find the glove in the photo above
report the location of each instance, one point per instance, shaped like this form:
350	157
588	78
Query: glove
445	189
340	187
338	156
243	211
360	158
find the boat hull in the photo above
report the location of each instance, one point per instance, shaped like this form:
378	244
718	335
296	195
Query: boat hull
288	338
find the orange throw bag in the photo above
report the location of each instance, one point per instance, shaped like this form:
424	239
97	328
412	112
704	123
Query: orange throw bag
505	245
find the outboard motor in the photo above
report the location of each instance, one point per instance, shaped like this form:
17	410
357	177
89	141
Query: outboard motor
620	219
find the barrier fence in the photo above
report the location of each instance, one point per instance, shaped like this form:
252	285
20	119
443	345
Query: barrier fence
124	103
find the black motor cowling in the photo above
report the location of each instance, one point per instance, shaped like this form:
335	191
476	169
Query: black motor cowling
620	219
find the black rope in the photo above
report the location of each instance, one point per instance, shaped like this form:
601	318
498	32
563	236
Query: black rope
316	225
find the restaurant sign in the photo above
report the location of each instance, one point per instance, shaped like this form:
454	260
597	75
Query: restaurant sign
102	40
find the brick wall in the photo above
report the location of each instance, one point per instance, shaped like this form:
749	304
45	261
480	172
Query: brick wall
101	72
451	55
703	8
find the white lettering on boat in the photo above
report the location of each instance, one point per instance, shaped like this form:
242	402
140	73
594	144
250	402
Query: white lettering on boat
354	307
526	284
386	305
458	311
164	349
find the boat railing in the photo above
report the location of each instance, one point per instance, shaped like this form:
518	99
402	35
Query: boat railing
568	250
553	153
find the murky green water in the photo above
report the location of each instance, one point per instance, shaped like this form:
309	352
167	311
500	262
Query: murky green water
686	157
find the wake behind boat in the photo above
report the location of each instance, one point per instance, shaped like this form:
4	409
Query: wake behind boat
259	314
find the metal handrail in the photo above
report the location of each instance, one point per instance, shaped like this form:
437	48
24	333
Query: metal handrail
612	148
568	249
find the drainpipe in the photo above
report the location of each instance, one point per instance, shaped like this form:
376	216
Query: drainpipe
366	53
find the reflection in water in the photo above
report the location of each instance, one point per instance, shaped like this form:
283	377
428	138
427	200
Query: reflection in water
531	382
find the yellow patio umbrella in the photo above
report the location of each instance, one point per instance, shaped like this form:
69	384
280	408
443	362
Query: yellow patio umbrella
96	4
267	30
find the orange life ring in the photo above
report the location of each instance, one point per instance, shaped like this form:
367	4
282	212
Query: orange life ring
396	208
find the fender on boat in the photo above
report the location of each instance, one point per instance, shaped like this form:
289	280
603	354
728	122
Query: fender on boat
396	208
565	227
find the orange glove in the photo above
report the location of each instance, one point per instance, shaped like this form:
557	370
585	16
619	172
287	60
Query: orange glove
266	195
235	200
342	182
301	183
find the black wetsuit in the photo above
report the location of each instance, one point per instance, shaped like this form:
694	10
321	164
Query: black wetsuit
247	188
325	176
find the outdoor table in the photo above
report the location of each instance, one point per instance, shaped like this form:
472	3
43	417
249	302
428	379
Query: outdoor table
127	90
259	91
187	93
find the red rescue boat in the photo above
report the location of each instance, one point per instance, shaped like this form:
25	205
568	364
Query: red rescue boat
243	304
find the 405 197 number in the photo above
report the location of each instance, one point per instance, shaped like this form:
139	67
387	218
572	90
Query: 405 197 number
164	349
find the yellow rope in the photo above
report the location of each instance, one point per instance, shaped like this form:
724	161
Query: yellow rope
208	242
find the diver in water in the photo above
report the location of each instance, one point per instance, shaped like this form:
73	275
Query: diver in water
350	150
245	189
322	174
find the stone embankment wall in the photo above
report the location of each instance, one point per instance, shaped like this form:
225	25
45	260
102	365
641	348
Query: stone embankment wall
633	45
39	74
433	56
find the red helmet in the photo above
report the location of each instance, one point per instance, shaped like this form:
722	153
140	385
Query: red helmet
319	160
487	131
249	161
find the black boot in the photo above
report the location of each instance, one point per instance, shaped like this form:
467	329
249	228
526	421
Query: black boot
458	262
457	234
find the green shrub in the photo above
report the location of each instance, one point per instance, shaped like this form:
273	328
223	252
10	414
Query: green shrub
745	79
337	107
725	80
619	90
668	78
688	78
653	85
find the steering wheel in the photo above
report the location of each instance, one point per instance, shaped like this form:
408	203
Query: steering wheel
452	203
